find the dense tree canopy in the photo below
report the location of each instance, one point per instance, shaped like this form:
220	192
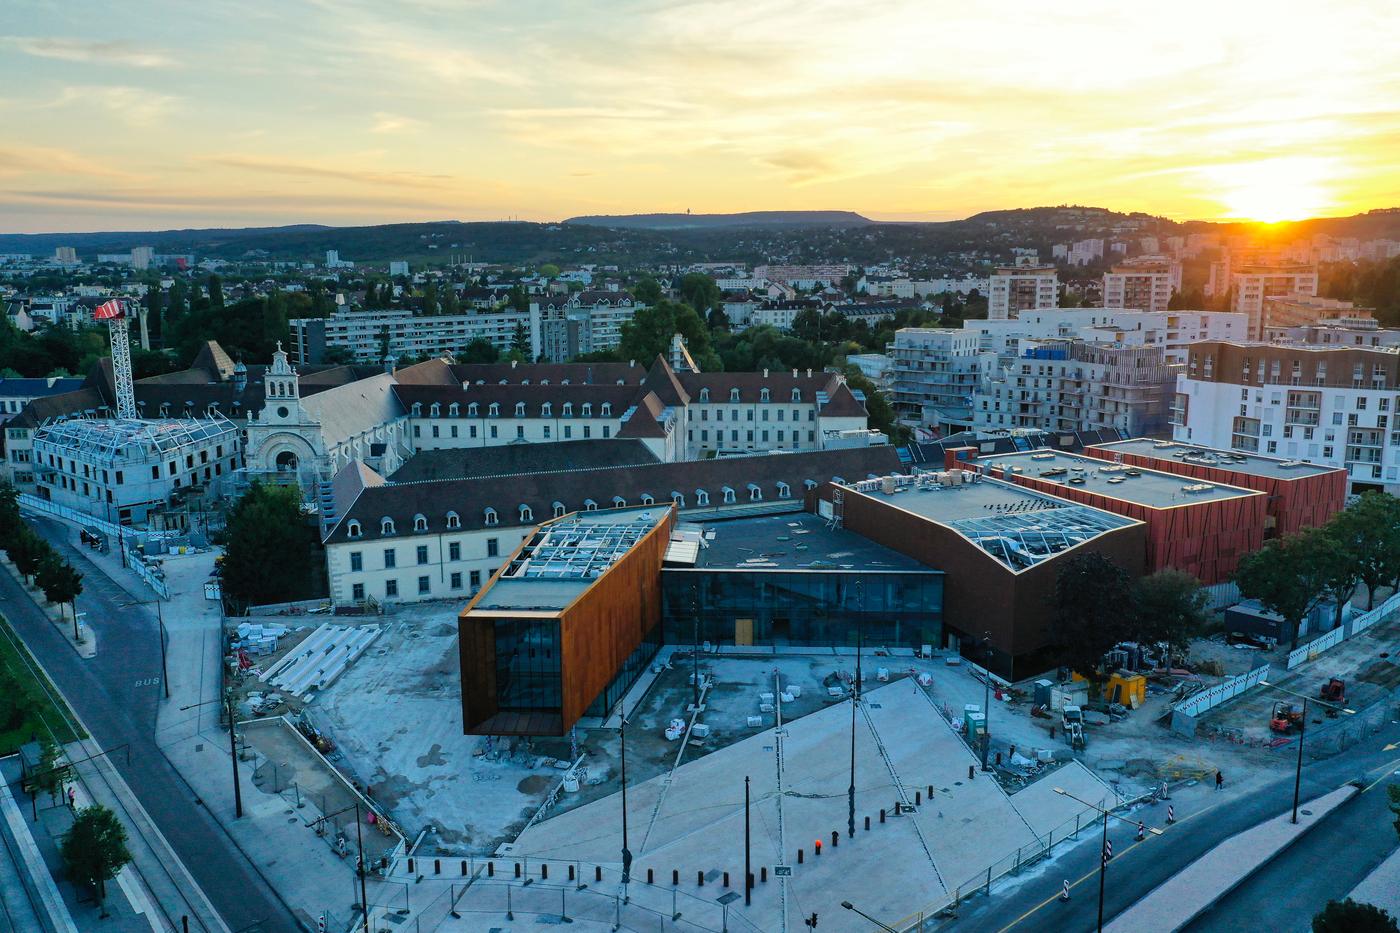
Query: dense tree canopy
269	554
1093	600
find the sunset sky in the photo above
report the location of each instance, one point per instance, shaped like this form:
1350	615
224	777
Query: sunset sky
159	114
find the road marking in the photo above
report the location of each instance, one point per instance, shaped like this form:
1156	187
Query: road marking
1390	748
1387	768
1057	898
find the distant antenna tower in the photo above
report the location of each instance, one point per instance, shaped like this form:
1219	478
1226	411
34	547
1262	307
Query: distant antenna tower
114	313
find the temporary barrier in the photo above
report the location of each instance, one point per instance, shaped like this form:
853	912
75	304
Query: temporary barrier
1356	626
1198	703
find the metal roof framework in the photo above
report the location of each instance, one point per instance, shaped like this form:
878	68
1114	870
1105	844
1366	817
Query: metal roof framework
106	439
1023	539
576	550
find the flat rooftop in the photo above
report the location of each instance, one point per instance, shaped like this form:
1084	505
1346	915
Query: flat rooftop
796	541
1151	488
564	557
1253	464
1018	526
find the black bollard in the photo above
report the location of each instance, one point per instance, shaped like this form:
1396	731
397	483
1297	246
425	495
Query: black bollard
971	770
544	872
700	878
675	876
464	868
930	792
410	866
651	876
799	856
763	873
918	796
726	879
882	814
835	839
867	824
490	869
571	873
517	869
598	873
437	866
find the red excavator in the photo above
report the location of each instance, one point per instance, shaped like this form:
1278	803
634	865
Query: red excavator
1334	691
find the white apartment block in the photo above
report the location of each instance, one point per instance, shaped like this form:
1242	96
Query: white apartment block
362	332
1173	331
934	372
1077	386
1145	283
1250	285
1013	289
1332	406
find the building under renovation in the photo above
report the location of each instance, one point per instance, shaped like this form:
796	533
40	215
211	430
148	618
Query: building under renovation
128	470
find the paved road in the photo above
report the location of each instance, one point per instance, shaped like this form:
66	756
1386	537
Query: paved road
116	695
1322	866
1138	868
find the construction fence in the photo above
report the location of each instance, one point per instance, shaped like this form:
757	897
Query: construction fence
1355	626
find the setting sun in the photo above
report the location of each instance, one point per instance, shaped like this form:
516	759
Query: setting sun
1274	190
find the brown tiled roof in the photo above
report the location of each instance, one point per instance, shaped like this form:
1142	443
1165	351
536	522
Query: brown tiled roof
662	380
470	498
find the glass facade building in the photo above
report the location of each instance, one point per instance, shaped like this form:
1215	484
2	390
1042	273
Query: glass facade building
818	608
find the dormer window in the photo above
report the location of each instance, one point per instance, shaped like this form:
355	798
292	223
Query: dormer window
454	520
755	493
588	409
472	411
607	409
558	509
647	499
354	530
454	410
526	515
386	526
729	494
546	410
589	505
734	395
764	395
619	502
797	395
784	491
491	517
705	394
677	499
436	410
702	497
495	410
520	409
809	484
420	523
417	409
568	409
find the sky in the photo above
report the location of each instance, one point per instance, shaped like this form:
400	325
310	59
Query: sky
125	115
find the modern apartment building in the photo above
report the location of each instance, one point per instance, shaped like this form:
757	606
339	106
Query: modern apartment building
1013	289
1173	331
1074	385
368	332
1251	284
934	372
1327	405
1145	283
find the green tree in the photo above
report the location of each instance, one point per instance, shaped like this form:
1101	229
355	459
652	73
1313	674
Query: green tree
10	521
699	291
1393	792
1287	576
520	341
216	291
1169	607
1348	916
28	551
480	350
268	557
1092	600
51	774
1369	534
647	291
877	406
94	848
60	582
648	335
549	270
519	298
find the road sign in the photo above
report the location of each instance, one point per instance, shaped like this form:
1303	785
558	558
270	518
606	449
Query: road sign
782	871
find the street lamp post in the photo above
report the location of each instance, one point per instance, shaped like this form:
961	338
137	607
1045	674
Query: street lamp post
232	747
626	853
1302	730
695	650
855	703
860	913
748	860
1103	851
164	671
986	696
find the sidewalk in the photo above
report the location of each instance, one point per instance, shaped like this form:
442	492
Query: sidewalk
1382	886
1199	885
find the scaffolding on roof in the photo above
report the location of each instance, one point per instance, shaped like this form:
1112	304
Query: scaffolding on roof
105	439
577	549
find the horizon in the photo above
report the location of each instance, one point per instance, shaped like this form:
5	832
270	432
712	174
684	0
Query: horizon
357	113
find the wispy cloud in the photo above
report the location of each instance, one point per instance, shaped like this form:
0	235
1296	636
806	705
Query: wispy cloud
50	161
134	106
111	52
393	123
359	176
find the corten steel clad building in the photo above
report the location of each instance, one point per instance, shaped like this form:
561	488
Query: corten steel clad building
567	624
1202	528
1301	494
1000	546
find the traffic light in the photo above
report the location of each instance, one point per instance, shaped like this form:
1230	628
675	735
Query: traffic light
811	921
